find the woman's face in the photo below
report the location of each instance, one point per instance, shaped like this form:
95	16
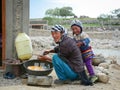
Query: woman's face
76	30
56	36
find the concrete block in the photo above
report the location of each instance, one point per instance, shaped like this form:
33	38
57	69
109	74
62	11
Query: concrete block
40	80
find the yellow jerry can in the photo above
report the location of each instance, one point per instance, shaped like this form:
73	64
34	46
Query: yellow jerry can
23	46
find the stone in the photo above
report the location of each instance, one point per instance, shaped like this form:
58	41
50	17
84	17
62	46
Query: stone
97	60
99	69
104	65
114	66
102	77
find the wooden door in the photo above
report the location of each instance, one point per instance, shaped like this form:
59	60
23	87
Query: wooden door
2	33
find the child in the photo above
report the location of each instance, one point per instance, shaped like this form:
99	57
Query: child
82	40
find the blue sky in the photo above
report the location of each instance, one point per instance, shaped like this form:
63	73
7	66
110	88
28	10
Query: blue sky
91	8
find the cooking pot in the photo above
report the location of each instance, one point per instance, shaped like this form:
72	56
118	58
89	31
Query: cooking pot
45	72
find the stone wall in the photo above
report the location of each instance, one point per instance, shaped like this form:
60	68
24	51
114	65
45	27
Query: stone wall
92	34
38	32
102	28
101	35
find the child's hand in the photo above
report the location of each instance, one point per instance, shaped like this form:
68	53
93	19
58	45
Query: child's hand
79	44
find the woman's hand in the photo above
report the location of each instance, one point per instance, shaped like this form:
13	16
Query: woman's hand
46	52
44	58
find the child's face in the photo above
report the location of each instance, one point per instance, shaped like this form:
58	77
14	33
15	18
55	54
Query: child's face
76	30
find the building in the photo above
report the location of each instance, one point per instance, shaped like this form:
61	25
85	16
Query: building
38	24
14	19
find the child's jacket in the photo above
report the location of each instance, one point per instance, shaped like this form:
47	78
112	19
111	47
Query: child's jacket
85	48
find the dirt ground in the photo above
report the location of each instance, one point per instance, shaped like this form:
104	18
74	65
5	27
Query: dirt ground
113	84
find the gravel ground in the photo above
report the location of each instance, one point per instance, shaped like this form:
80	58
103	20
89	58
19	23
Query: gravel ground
9	82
